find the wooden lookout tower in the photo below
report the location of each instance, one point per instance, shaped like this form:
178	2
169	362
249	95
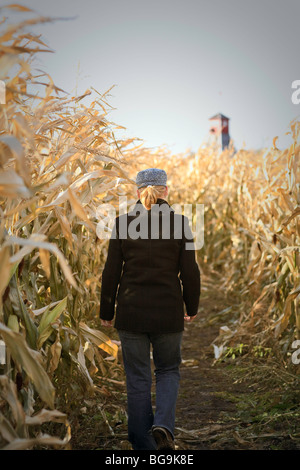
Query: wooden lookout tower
219	130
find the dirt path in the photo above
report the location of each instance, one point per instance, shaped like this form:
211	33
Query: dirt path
218	410
202	410
210	401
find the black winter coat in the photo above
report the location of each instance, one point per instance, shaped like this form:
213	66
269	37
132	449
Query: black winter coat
151	277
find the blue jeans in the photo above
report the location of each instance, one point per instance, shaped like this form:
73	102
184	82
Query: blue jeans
137	364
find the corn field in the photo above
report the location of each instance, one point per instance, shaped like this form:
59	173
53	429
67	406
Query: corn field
60	160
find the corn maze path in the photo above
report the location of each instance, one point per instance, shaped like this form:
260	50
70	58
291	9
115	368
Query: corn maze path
208	414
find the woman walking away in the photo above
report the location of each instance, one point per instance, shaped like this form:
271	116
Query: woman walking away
149	247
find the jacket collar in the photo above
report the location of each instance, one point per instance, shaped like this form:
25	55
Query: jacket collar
159	201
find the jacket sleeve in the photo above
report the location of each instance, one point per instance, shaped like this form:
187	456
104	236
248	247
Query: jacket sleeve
111	275
189	271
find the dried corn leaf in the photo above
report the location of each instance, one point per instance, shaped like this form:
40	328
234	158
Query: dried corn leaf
99	339
27	358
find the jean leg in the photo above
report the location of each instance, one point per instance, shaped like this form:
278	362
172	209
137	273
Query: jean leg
167	359
137	365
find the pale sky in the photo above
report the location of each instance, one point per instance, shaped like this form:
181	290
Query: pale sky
175	63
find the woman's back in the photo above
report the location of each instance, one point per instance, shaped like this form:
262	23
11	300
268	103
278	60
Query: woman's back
150	247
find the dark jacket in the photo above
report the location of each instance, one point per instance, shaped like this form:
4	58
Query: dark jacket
152	276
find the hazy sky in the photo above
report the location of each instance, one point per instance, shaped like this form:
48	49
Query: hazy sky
175	63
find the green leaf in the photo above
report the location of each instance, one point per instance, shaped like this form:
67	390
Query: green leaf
13	323
20	309
49	316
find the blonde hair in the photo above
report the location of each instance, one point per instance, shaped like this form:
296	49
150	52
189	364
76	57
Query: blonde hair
149	195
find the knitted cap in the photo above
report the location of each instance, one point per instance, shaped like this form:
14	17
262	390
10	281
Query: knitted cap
153	176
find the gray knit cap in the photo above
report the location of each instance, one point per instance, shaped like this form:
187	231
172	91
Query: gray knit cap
153	176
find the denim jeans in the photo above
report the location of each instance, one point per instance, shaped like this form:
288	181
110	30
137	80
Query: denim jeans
137	364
